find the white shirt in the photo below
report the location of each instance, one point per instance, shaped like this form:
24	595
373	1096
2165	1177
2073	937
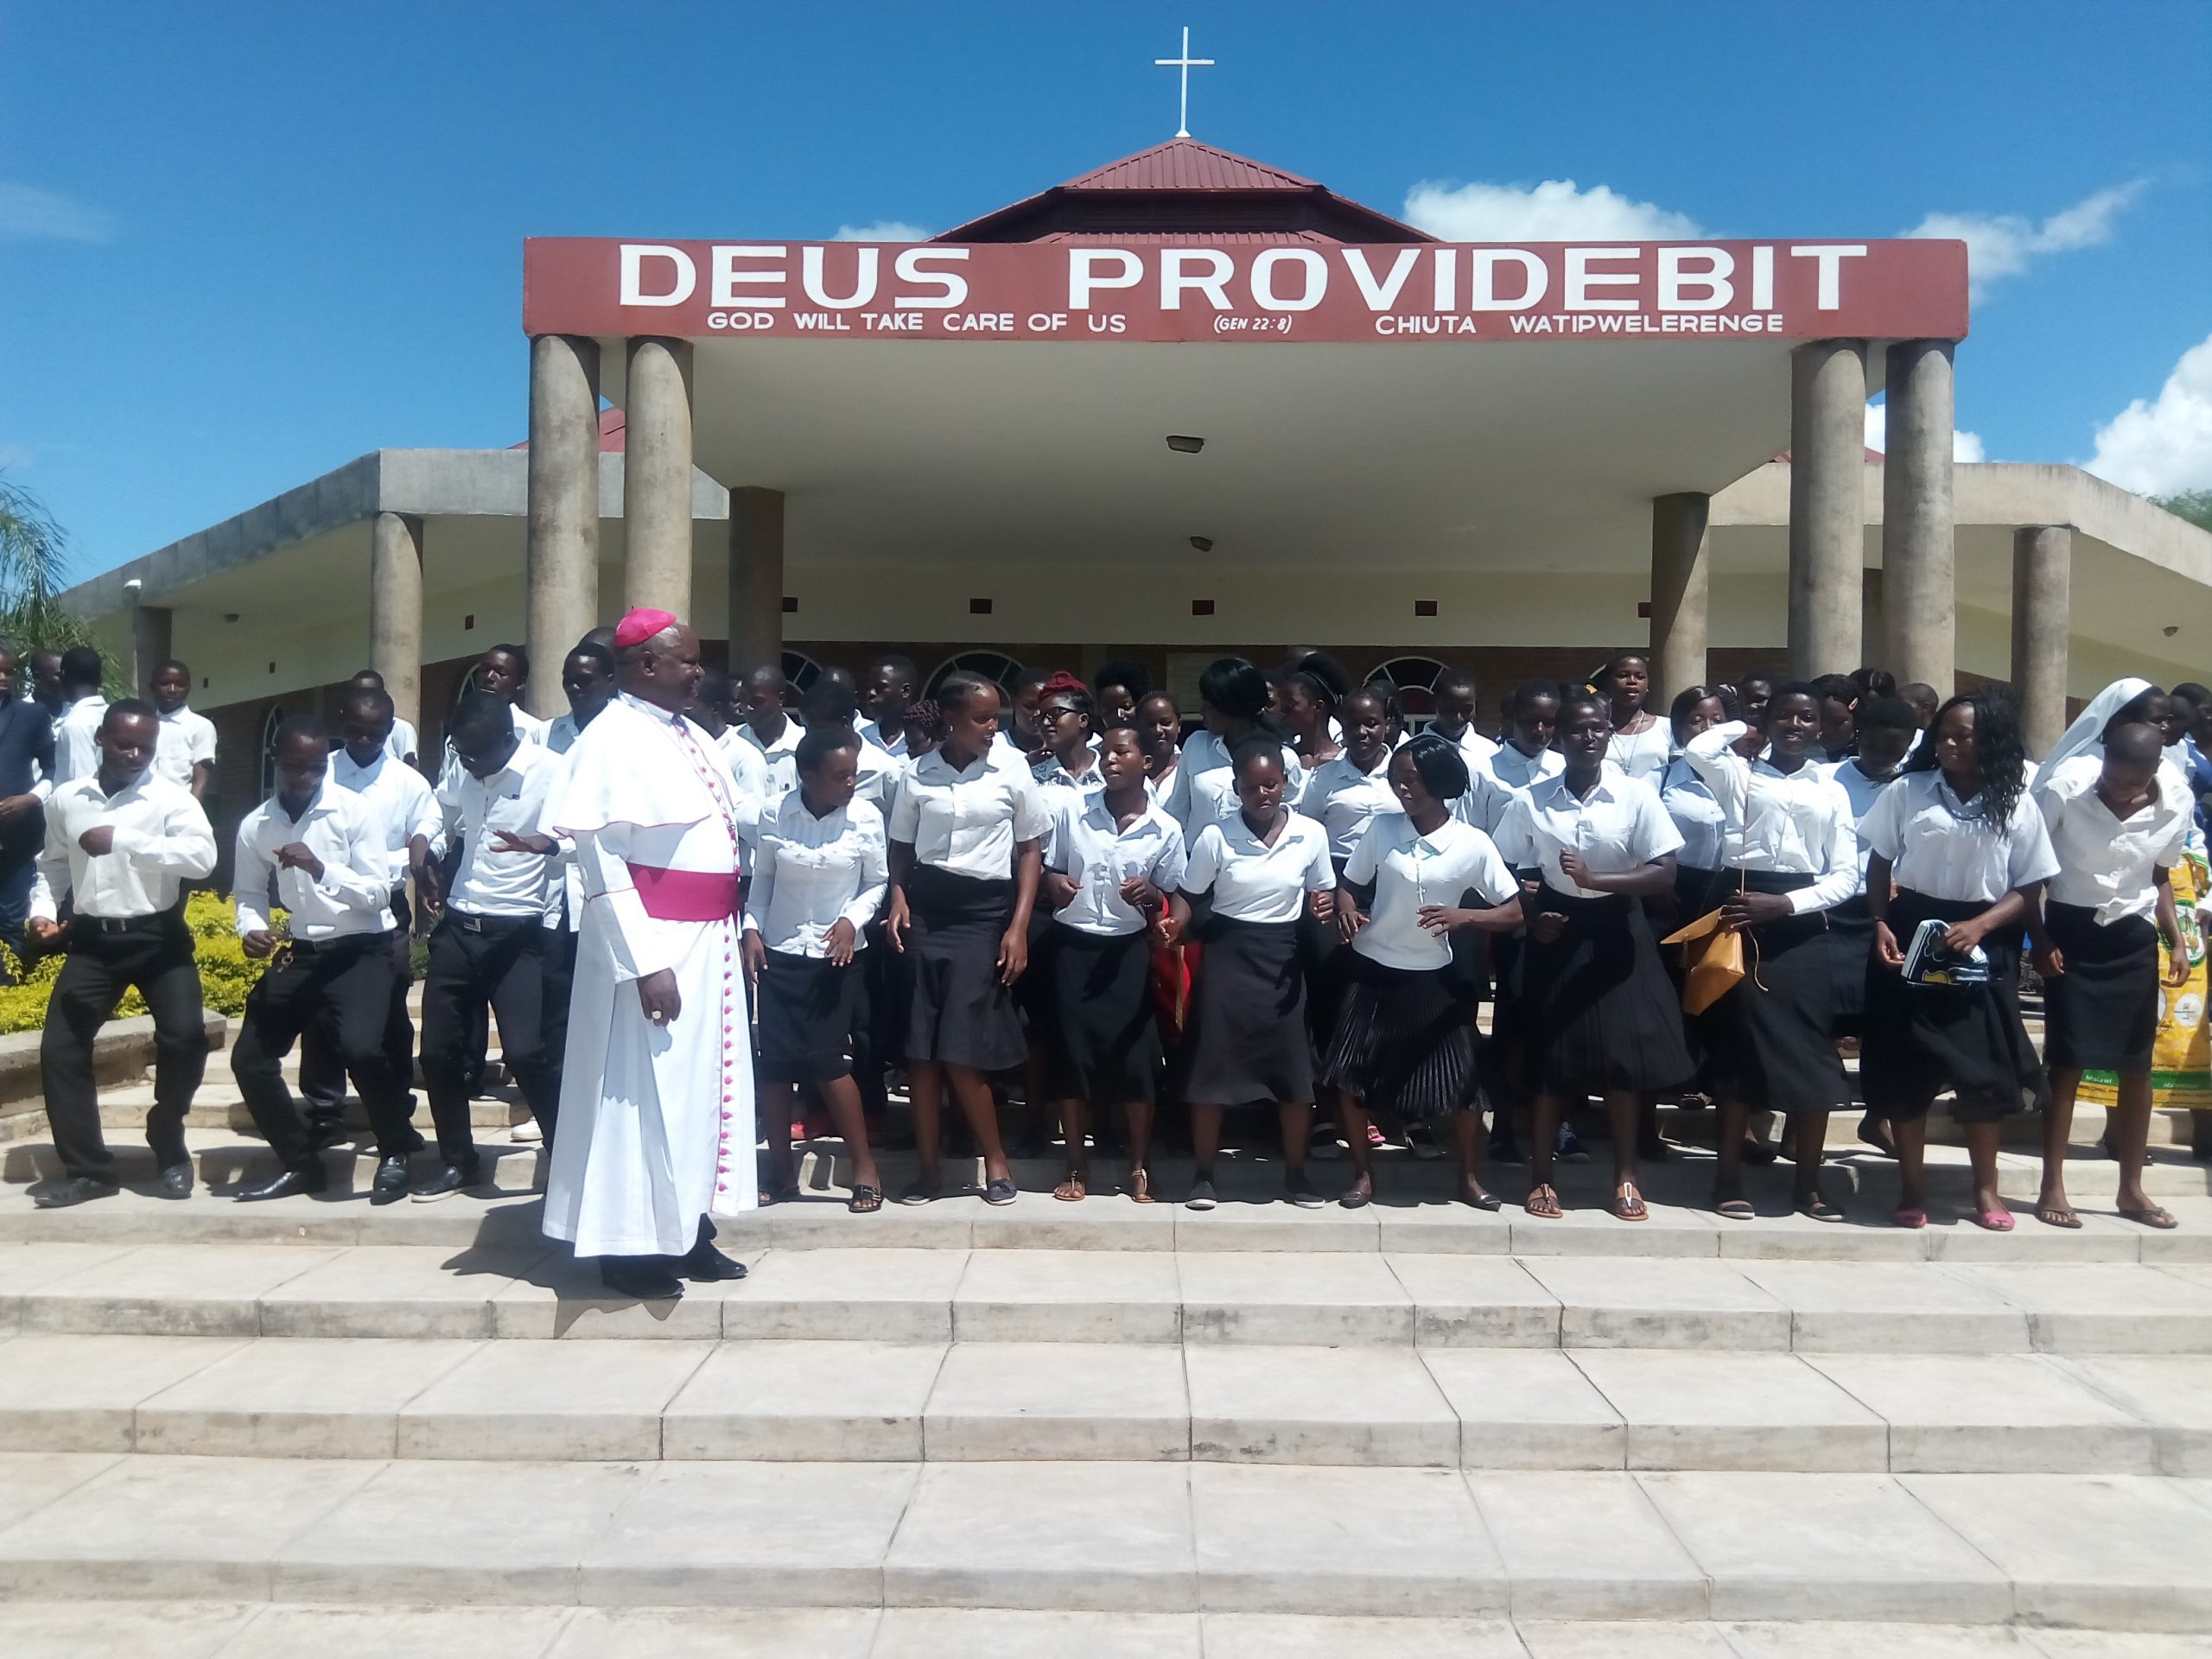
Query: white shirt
561	733
1407	871
163	839
1083	845
1254	882
1618	827
763	779
1946	849
1696	814
1493	781
812	873
2105	863
353	895
401	801
877	776
872	731
75	754
1204	789
1864	792
784	742
1642	755
489	882
1345	800
1787	824
184	740
1049	775
401	742
1473	747
967	821
1005	753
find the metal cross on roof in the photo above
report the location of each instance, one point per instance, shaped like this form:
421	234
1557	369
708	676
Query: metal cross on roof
1185	63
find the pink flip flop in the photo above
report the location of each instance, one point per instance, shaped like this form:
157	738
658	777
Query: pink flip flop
1996	1221
1914	1219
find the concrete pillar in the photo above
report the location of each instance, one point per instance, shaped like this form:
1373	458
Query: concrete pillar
1828	531
1873	614
562	548
1679	571
150	629
756	578
1919	558
2043	583
657	477
396	612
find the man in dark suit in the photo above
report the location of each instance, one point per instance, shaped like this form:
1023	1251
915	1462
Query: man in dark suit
26	755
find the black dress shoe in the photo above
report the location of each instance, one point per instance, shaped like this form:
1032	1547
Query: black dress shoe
174	1182
391	1183
450	1179
703	1264
313	1177
646	1277
71	1189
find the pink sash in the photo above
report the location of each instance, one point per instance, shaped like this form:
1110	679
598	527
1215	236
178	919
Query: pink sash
686	895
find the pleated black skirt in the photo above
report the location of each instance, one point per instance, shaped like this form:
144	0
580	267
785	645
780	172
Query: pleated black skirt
808	1006
958	1012
1696	891
1247	1038
1851	947
2102	1012
1106	1048
1771	1039
1922	1039
1596	1009
1405	1041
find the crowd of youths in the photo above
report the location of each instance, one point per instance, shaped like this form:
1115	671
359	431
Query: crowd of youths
1308	901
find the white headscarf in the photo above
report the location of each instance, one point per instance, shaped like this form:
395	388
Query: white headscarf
2086	735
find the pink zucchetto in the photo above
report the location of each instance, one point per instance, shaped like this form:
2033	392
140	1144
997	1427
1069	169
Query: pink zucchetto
640	626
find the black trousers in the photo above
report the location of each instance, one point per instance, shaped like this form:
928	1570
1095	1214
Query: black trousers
323	1074
560	945
348	981
153	953
17	870
477	961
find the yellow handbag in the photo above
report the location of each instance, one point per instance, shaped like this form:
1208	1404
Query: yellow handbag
1712	967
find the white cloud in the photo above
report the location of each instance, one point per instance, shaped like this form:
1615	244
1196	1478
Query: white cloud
1999	245
884	230
2164	446
1555	211
1965	446
30	213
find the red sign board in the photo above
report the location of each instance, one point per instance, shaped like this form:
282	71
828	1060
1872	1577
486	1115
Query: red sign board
1152	292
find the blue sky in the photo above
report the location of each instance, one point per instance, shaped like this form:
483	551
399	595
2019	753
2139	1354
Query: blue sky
241	244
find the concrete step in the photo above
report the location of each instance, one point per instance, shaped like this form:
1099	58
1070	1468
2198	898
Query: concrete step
1376	1299
1413	1215
2118	1554
2169	1127
1123	1402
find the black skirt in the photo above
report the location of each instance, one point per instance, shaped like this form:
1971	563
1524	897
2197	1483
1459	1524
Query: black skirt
1922	1039
958	1013
1771	1037
1851	947
1247	1039
1405	1041
1106	1048
1696	891
808	1006
2103	1010
1597	1009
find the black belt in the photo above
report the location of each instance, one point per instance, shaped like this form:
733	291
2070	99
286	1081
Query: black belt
470	922
147	922
340	942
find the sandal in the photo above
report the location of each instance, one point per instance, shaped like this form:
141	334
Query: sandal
1140	1186
1542	1203
1352	1198
2057	1215
1481	1199
1994	1221
1628	1203
1072	1190
787	1193
916	1191
866	1200
1817	1208
1736	1210
2154	1215
1906	1215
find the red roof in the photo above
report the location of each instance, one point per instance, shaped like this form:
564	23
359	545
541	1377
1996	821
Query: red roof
1184	191
613	426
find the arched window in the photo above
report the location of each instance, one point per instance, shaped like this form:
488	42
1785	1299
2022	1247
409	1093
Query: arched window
802	670
1416	678
269	725
994	665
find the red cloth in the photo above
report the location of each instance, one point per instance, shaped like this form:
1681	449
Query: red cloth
640	626
685	895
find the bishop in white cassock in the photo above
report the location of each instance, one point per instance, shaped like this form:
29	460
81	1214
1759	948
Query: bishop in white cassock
657	1130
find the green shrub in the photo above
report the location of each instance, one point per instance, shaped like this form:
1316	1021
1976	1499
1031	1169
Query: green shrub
226	972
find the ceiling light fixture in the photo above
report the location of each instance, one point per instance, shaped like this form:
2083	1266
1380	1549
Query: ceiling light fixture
1182	444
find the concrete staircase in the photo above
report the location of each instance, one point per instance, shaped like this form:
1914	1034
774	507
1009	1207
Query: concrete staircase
319	1426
